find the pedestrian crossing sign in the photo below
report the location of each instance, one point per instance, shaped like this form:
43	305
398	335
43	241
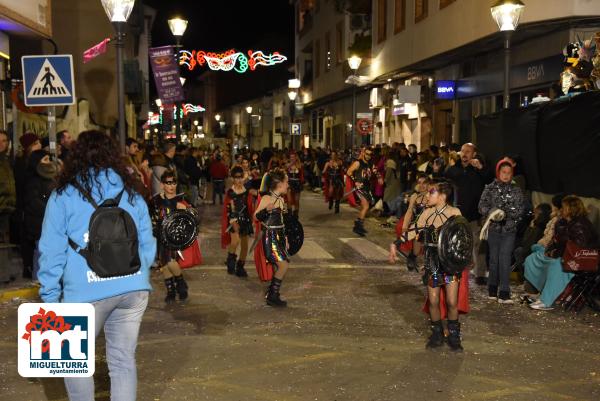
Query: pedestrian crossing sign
48	80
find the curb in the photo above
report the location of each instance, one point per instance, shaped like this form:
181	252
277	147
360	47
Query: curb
21	293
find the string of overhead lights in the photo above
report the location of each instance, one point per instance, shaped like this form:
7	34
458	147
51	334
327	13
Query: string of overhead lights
229	60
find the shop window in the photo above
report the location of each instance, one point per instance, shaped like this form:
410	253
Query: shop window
381	20
445	3
421	10
399	15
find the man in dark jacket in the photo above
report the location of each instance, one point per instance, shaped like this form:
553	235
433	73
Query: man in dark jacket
470	178
218	172
8	193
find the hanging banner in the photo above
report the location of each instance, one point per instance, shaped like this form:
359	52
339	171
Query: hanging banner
95	51
166	74
364	123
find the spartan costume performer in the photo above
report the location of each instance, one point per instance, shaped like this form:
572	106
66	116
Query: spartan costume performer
171	234
295	174
236	223
281	236
417	203
359	184
334	181
448	244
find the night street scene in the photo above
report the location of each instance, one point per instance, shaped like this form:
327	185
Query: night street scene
299	200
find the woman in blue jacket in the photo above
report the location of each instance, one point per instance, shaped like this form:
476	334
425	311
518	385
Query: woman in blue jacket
96	166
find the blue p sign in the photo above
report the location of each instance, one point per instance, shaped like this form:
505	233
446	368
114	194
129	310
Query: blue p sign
295	128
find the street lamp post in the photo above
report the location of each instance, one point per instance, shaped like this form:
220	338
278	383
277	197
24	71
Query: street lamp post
354	63
507	14
178	26
249	130
293	86
118	12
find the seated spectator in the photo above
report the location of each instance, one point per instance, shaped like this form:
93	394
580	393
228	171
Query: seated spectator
533	233
544	270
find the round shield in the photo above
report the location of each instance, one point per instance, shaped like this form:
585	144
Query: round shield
179	230
294	233
455	245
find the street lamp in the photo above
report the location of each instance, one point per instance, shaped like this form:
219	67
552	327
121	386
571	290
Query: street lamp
507	14
178	26
218	117
118	12
294	83
249	109
250	130
354	63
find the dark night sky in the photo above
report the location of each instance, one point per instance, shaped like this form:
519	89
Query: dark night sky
223	24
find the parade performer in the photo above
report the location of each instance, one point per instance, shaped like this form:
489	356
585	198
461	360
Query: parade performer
295	176
359	177
273	250
334	184
417	203
454	299
236	223
161	205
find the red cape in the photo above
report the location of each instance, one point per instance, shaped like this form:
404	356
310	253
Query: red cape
225	236
405	247
350	187
263	268
463	297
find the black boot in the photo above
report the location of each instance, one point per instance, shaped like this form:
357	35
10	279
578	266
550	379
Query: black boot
239	269
171	292
359	227
273	298
437	335
231	258
337	206
330	204
181	287
411	262
454	336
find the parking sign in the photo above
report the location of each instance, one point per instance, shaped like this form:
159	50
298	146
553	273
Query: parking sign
295	128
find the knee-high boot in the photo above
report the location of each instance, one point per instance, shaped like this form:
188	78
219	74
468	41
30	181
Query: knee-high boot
273	298
436	339
231	258
454	336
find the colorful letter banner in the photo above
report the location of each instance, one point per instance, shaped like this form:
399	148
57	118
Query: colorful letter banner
166	74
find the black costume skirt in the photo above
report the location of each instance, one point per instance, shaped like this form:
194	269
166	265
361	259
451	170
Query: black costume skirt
274	245
295	185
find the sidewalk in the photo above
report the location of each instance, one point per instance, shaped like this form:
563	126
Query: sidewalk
11	266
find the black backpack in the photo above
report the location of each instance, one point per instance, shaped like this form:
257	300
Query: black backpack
112	249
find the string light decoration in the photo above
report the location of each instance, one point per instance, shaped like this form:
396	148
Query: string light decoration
190	108
229	60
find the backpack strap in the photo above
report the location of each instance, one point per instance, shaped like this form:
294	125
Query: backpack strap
85	194
82	251
118	198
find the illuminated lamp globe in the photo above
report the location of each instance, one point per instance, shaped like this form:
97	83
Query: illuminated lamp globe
354	62
177	26
118	10
507	14
249	109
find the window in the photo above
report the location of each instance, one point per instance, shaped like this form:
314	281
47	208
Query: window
328	51
399	15
339	42
317	58
421	10
445	3
381	20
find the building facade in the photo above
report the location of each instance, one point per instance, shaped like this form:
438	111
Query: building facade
452	51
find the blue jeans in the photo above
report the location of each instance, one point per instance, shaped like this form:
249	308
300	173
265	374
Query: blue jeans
121	317
501	246
218	189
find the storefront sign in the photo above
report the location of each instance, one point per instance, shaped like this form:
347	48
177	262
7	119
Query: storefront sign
364	123
445	90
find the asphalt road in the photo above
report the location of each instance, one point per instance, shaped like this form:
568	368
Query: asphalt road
353	330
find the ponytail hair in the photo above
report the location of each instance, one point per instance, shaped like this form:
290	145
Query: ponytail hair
445	187
271	180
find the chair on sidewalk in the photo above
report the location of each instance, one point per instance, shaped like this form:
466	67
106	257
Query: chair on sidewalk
584	289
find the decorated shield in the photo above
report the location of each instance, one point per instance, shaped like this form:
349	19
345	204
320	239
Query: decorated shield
455	245
294	233
179	229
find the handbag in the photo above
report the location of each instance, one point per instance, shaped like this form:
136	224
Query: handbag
577	259
190	256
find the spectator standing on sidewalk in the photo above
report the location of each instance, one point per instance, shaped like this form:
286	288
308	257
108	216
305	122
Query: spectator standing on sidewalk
96	165
160	163
470	177
8	192
503	204
218	173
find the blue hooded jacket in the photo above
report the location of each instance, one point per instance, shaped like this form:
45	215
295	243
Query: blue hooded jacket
64	274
